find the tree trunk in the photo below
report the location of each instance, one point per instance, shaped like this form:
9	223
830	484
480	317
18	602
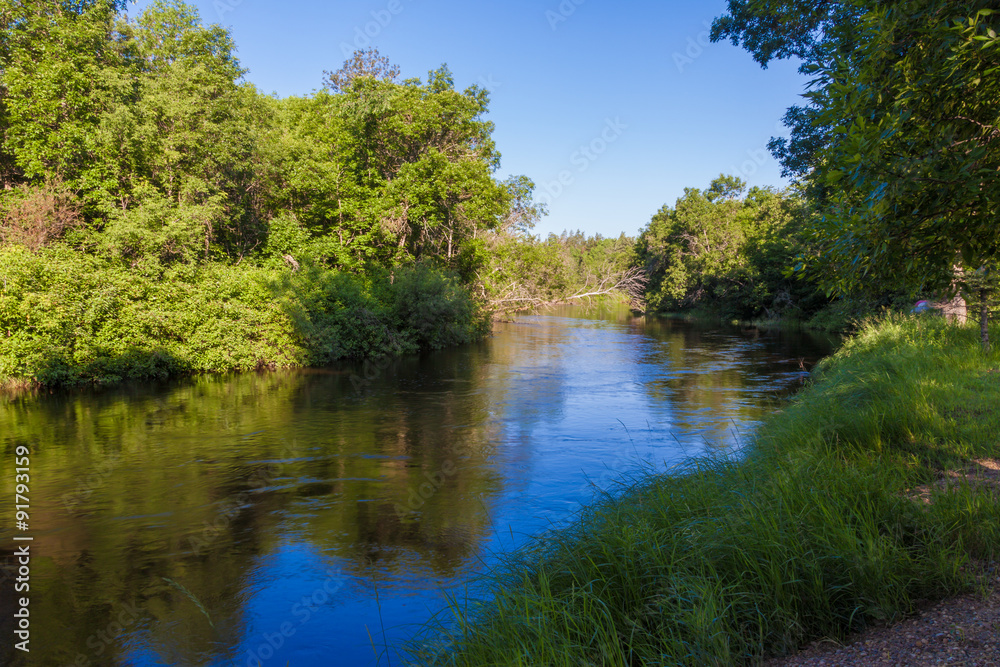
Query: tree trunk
984	318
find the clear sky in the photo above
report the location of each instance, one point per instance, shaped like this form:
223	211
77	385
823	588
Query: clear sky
612	108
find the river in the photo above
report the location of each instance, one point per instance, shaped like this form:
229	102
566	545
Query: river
316	517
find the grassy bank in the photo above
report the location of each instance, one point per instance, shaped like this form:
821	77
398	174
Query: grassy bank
814	533
67	318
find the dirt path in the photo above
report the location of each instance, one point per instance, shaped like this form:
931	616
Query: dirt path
958	631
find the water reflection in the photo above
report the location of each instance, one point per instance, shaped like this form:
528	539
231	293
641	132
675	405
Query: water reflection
306	518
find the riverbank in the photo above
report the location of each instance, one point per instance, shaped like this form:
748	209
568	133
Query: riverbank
70	319
841	316
819	531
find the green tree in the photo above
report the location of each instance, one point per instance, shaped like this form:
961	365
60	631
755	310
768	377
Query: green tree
899	141
912	172
688	248
62	68
728	252
392	172
189	148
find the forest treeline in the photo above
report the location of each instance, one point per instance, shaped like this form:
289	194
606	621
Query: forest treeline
726	251
159	214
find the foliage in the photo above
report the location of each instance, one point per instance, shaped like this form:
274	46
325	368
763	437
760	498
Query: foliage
728	251
149	118
389	173
69	318
815	533
60	71
898	144
912	176
38	216
151	178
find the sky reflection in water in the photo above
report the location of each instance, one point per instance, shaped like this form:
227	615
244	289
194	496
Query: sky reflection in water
291	518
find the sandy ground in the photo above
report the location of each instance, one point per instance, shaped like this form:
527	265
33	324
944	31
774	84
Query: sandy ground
957	631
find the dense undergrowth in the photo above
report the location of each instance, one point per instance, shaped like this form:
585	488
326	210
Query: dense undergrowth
68	318
810	533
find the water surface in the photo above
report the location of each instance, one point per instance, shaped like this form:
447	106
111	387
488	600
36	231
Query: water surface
315	517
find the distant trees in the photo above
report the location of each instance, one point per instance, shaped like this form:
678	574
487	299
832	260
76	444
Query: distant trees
728	250
518	271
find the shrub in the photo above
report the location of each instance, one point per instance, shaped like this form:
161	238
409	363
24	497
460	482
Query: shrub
69	318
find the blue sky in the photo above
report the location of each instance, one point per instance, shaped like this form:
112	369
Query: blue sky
612	108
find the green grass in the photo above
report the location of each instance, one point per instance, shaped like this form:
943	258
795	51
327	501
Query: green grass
811	534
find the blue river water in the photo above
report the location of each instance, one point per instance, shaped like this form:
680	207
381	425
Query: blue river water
320	517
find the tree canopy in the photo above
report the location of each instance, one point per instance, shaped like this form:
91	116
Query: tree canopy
173	157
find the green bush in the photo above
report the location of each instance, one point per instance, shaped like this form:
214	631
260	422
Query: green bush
70	318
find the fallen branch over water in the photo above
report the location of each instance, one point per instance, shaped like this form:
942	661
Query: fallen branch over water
629	284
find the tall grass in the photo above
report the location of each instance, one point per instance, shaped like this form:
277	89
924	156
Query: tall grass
811	533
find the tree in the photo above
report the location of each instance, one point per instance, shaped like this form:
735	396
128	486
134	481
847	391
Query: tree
62	69
907	129
392	172
687	249
195	128
364	63
913	174
725	188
